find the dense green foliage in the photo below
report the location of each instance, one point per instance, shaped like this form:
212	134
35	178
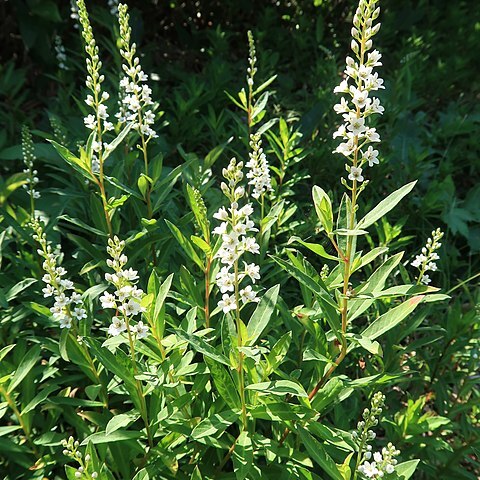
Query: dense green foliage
174	405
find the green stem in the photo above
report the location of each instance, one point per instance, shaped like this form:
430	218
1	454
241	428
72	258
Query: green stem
143	403
241	379
26	431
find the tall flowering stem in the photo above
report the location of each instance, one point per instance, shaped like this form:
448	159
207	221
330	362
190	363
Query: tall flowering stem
68	308
234	228
258	169
98	120
136	100
356	109
126	301
29	159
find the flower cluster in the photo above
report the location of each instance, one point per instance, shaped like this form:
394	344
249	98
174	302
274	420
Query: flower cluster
68	305
60	53
28	159
252	60
382	462
358	105
126	299
135	94
234	228
258	173
98	121
70	449
426	260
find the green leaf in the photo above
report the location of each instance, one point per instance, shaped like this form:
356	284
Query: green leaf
224	383
199	210
158	319
120	421
117	141
329	306
327	394
215	424
78	164
39	398
142	475
391	318
196	475
405	470
243	456
315	248
4	351
371	346
264	85
279	387
261	316
282	412
203	347
116	436
27	363
185	244
323	207
385	205
319	455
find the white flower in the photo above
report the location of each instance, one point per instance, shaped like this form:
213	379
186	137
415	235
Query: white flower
131	308
76	298
108	300
48	291
359	96
65	322
222	214
357	126
342	107
346	148
259	173
248	295
79	313
356	174
251	245
130	274
225	280
221	229
117	326
377	456
227	303
370	155
61	300
426	279
369	469
342	88
252	270
90	122
140	330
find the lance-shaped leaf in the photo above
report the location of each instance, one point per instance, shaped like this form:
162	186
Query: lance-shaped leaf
319	455
215	424
262	314
392	318
323	207
385	205
243	456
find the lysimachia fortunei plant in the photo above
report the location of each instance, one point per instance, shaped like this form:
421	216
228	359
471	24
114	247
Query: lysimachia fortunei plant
220	374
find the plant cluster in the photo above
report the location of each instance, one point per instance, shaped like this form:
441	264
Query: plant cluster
204	328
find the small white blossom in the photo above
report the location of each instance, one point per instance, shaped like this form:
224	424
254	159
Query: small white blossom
356	174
